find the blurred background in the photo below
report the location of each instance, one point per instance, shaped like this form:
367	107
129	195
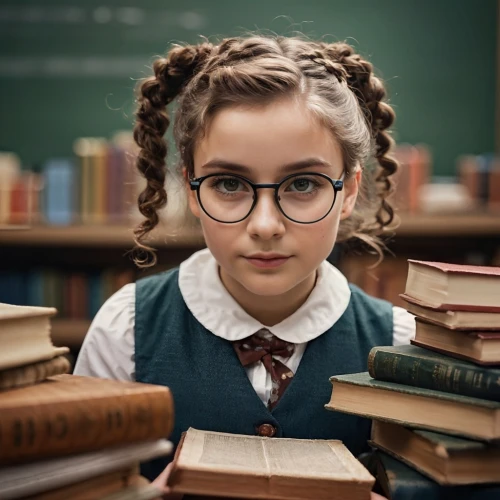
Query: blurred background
67	185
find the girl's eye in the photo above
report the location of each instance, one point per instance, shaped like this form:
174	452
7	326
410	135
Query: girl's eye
302	185
226	185
230	184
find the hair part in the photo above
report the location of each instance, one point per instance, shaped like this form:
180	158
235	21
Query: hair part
338	86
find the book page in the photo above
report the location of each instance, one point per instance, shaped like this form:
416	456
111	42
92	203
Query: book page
269	457
215	450
312	458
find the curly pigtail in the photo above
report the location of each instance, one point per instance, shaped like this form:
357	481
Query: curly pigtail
370	93
171	75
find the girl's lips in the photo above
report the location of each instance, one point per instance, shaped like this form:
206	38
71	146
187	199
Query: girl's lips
267	263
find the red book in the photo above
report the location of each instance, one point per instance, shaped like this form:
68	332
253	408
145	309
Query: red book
453	287
19	207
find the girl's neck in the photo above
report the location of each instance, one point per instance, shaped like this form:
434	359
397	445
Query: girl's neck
269	310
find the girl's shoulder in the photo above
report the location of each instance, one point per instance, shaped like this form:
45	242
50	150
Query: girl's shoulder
157	281
403	322
108	348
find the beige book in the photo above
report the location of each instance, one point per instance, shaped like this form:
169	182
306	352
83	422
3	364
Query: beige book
453	287
33	373
25	335
234	465
457	320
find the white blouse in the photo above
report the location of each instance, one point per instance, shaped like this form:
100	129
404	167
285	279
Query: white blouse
108	348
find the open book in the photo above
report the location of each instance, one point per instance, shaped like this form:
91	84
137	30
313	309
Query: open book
234	465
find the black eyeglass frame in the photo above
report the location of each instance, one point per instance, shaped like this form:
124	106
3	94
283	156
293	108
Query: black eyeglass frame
337	185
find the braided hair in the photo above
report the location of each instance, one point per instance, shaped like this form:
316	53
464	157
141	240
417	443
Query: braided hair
339	88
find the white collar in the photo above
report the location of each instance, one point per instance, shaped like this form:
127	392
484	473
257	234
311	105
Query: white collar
213	306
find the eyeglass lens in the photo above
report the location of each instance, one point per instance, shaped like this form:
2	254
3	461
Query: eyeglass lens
303	198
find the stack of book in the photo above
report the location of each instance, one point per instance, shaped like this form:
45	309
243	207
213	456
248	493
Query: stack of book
64	436
435	404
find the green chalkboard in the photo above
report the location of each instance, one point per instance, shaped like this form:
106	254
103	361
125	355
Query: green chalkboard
68	68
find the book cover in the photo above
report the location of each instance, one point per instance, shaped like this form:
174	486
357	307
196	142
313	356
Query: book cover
33	373
454	287
70	414
400	482
359	394
448	460
446	267
455	320
418	367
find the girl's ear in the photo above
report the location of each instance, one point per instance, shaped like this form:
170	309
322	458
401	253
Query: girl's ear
191	195
351	189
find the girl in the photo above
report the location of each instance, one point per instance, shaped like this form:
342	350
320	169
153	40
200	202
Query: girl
276	138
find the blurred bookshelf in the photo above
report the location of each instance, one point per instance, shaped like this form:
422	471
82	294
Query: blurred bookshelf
458	236
418	225
66	231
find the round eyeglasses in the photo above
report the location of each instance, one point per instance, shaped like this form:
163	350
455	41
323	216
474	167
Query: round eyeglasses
302	198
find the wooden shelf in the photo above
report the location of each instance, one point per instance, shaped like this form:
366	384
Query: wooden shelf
69	332
449	225
425	225
92	236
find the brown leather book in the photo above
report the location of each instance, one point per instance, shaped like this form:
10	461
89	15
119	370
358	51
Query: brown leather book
69	414
448	460
33	373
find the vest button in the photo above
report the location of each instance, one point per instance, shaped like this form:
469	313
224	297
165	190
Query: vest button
266	430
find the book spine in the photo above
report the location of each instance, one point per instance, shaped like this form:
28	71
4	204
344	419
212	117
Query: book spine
444	375
47	430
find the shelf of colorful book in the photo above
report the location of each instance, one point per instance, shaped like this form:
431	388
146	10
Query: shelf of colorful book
471	224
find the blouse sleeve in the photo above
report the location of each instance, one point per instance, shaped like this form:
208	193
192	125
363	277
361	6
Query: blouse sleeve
108	348
403	326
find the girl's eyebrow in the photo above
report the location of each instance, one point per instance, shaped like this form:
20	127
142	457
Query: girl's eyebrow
289	167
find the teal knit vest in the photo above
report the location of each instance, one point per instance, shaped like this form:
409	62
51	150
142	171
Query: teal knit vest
211	389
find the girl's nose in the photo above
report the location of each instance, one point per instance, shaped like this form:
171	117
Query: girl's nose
266	221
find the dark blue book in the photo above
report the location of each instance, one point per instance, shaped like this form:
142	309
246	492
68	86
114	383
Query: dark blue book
397	481
96	296
34	288
13	288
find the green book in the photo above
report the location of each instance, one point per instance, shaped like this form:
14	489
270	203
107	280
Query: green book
418	367
397	481
359	394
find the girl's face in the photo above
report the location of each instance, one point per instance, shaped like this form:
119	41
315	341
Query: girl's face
265	144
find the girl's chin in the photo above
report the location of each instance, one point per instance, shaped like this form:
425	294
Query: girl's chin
267	286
